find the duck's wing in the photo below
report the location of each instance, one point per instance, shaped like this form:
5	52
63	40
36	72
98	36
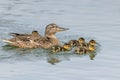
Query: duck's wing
22	37
17	34
27	37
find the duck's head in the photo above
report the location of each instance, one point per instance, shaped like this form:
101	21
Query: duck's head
52	28
81	40
92	42
67	46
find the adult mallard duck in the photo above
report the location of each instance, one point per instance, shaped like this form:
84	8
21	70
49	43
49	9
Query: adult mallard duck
29	41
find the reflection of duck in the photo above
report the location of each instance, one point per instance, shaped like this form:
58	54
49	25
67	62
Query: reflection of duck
58	48
47	41
53	60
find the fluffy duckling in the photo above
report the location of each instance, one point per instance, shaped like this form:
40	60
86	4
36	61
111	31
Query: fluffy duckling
82	42
73	43
91	46
58	48
81	49
66	47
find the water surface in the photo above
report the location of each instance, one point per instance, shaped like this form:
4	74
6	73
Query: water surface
91	19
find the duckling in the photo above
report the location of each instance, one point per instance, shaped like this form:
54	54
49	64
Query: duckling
56	49
47	41
35	36
80	50
92	42
73	43
81	42
91	46
66	47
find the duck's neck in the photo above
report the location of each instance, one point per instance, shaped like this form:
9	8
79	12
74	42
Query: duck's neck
52	38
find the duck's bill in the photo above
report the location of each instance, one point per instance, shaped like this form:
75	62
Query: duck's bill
62	29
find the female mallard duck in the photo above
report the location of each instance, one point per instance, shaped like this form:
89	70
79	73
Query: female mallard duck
58	48
47	41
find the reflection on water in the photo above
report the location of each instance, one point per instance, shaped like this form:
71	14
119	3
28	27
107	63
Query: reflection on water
36	54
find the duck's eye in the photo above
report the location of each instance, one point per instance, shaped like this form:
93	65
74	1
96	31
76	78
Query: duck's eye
54	26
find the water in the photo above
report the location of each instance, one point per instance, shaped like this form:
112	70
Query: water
92	19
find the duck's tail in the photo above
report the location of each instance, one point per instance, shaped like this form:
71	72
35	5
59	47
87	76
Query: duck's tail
7	41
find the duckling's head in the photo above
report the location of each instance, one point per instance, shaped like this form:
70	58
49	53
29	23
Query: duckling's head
73	42
55	49
92	42
79	50
67	46
81	40
52	28
35	32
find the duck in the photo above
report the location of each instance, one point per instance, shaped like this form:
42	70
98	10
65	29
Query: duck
59	48
80	50
25	37
56	49
91	46
66	47
46	41
82	42
73	43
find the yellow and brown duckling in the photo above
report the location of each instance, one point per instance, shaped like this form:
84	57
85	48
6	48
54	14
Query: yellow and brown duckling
73	43
58	48
84	47
80	50
82	42
91	46
47	41
66	47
